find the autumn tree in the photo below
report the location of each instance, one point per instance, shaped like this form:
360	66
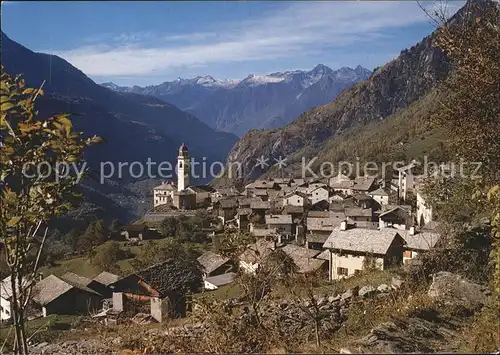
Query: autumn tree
36	185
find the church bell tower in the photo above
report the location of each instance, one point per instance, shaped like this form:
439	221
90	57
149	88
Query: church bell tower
182	168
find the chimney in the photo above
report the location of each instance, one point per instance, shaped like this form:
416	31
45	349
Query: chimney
412	230
343	225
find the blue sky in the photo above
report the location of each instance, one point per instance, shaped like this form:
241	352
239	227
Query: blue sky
147	43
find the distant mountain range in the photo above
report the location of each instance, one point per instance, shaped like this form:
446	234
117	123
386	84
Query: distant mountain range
255	102
382	119
134	127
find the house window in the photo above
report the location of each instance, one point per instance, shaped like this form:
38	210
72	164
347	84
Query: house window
180	165
298	201
342	271
407	254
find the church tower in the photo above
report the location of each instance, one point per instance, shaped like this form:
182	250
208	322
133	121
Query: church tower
182	168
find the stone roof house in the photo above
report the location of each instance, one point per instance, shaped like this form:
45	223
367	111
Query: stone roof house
214	264
352	250
304	258
69	296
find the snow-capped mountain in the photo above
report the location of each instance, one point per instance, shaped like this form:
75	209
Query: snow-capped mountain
257	101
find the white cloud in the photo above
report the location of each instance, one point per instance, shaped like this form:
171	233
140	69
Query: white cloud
307	27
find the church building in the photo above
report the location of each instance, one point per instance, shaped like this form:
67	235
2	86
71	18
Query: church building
181	195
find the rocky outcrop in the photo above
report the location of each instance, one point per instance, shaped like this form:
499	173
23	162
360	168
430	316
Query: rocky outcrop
428	331
452	289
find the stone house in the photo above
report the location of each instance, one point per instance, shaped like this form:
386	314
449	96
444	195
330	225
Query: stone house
358	214
304	259
164	193
296	199
352	250
227	209
418	242
53	295
151	289
254	254
396	217
282	223
406	179
214	264
380	196
319	193
203	194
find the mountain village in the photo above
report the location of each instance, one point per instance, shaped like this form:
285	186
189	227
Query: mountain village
331	228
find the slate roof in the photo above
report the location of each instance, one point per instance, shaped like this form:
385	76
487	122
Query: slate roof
319	214
106	278
322	224
379	192
316	238
362	240
50	288
421	240
260	205
298	193
228	203
77	281
244	211
221	280
303	257
263	232
279	219
362	197
289	209
358	212
401	212
211	261
257	251
201	188
260	192
168	186
245	201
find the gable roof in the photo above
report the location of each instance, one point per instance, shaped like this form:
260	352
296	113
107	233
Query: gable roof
78	281
278	219
400	211
303	257
421	240
298	193
106	278
221	280
257	251
322	224
260	205
293	209
228	203
211	261
50	288
375	241
378	192
167	186
358	212
244	211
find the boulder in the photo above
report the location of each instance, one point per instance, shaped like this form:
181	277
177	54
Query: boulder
453	289
332	299
366	291
396	282
347	295
383	288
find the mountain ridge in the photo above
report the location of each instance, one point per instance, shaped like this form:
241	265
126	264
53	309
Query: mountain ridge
256	101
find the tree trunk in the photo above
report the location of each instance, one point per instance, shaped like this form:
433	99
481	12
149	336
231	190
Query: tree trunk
316	331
